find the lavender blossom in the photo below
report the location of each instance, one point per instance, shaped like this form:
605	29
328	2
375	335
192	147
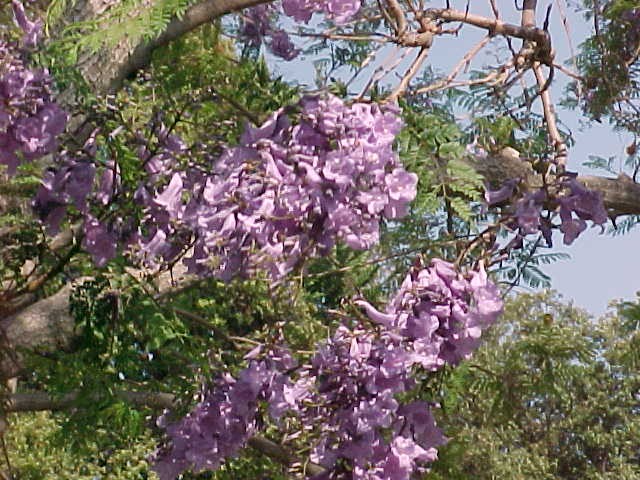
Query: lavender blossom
32	30
290	191
340	11
30	120
573	203
223	421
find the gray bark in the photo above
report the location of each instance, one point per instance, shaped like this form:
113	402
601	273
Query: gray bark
47	325
43	326
621	195
106	70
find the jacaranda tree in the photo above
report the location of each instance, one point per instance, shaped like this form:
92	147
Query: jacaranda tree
296	269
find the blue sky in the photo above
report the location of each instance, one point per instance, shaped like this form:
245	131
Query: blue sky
602	267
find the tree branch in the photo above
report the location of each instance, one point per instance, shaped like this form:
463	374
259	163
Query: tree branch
106	71
44	326
409	74
47	325
559	145
621	195
529	13
497	27
40	401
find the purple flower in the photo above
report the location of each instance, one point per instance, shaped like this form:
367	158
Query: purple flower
282	46
339	11
342	11
109	182
256	23
30	121
494	197
299	10
566	196
98	241
79	183
31	133
222	422
14	84
402	185
587	204
31	30
422	425
290	191
528	210
570	226
171	198
156	246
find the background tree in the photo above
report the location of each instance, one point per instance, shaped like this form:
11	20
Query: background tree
552	393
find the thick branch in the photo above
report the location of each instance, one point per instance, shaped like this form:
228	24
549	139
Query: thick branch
47	325
621	195
497	27
108	70
40	401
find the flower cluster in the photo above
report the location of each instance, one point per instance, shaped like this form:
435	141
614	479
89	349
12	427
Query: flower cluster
441	313
222	423
348	398
575	204
73	182
257	26
287	192
340	11
348	395
350	391
30	120
257	23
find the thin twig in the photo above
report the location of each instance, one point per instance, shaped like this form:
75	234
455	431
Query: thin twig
409	74
391	61
398	16
568	72
464	62
494	7
194	317
559	144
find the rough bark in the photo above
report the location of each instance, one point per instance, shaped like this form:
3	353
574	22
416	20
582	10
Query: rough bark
40	401
44	326
47	324
106	70
621	195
